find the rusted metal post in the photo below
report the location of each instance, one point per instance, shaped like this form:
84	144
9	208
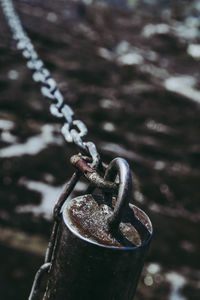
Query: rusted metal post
90	261
86	270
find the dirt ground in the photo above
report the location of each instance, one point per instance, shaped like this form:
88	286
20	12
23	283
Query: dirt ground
132	75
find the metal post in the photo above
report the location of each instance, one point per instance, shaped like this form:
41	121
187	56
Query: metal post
86	268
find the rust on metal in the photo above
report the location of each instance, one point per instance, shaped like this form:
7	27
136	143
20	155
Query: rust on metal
81	164
92	259
89	215
91	174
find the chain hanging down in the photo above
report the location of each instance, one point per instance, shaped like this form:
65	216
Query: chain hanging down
49	87
53	239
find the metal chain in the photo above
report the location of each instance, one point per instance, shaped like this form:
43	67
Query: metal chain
51	249
72	130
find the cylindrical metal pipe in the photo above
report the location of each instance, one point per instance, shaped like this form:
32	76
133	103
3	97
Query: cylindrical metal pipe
84	269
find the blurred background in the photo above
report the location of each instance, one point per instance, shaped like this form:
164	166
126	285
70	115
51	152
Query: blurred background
131	71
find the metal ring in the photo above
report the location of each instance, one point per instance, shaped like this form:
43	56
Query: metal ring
119	166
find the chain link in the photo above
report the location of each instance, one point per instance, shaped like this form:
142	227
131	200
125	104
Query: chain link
72	130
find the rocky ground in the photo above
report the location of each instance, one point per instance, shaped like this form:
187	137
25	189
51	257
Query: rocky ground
132	75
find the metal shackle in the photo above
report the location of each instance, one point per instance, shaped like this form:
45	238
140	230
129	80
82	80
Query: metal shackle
119	166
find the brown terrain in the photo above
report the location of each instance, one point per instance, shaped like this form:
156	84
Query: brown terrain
133	76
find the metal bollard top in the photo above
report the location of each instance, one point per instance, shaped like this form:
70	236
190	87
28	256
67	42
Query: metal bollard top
87	217
107	219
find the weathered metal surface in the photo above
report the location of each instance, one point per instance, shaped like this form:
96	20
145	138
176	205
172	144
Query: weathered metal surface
89	215
57	213
85	269
100	244
37	281
91	174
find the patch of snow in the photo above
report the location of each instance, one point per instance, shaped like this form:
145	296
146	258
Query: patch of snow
183	85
